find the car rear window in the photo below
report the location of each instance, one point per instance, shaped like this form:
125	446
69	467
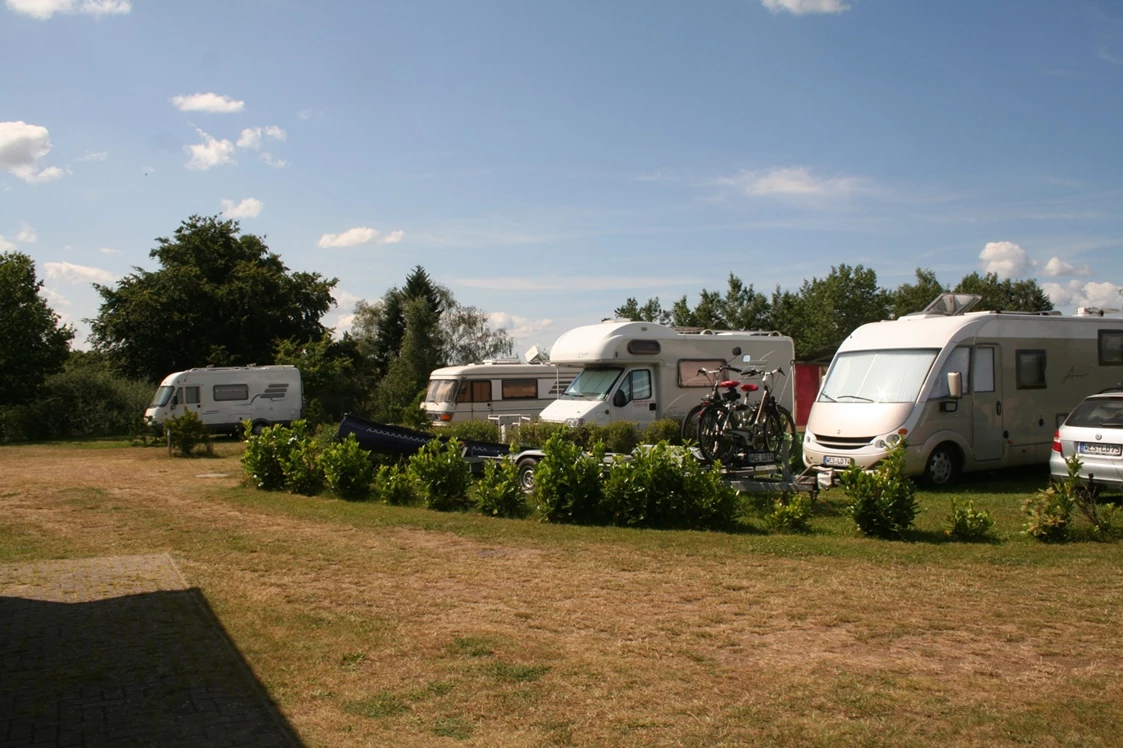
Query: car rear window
1096	413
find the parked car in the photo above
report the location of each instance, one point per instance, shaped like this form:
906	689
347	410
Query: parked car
1094	433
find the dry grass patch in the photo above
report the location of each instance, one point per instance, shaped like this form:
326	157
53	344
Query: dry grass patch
375	625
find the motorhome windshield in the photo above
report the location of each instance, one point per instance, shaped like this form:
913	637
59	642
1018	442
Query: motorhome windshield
593	383
894	376
441	391
160	399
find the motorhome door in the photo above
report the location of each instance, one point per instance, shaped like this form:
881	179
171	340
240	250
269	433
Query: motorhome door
634	399
986	393
476	394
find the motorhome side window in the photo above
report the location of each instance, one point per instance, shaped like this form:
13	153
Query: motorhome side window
191	395
475	392
983	379
520	389
688	375
1030	370
1111	347
957	361
637	385
223	392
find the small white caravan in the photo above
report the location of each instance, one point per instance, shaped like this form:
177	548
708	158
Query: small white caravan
224	396
967	390
643	371
499	390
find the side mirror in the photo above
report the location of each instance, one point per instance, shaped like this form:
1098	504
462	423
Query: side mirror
955	384
619	399
737	351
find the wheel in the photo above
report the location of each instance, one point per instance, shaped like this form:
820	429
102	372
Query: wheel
689	431
526	467
942	467
713	440
258	427
778	427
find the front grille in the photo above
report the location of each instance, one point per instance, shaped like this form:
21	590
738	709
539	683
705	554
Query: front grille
843	442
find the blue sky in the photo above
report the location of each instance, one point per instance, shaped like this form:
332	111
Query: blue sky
546	161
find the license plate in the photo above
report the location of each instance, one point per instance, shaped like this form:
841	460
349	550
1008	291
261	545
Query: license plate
1106	450
836	461
758	458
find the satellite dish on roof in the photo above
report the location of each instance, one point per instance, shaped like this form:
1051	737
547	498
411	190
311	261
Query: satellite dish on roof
537	355
1093	311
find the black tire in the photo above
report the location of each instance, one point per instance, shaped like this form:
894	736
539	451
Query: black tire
689	430
526	467
258	427
778	426
942	467
713	441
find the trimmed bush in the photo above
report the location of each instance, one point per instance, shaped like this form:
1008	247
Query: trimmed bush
536	433
666	430
882	501
268	460
476	431
968	524
187	431
348	468
498	493
791	513
397	486
443	474
567	482
303	472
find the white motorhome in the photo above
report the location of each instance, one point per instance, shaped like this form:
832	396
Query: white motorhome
497	390
643	371
224	396
967	390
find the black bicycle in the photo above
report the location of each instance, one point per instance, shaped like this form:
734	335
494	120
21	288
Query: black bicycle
734	429
689	429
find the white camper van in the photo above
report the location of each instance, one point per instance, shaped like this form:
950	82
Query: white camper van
967	390
494	389
224	396
643	371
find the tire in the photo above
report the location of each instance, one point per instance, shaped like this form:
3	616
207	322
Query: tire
942	466
689	431
258	427
526	467
713	442
778	426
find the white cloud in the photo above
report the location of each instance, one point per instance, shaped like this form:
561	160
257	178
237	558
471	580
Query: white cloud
1057	267
207	102
304	114
1005	259
248	208
44	9
209	153
518	327
360	235
800	7
68	272
26	234
93	157
270	160
250	138
5	245
21	147
571	283
794	182
1076	293
276	132
109	251
54	297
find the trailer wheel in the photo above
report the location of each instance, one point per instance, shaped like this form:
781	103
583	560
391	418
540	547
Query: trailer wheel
526	468
942	467
258	427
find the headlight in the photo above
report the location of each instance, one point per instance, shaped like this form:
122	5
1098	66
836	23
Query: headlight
574	422
888	442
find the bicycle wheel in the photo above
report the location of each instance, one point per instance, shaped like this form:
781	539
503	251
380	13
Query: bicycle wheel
713	440
778	427
689	431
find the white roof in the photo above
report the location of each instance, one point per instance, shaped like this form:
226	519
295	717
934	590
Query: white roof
604	341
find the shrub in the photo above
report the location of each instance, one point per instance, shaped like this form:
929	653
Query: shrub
791	513
1106	520
882	501
498	492
476	431
568	482
281	457
348	468
968	524
619	437
397	486
443	474
187	431
536	433
664	430
304	473
1049	514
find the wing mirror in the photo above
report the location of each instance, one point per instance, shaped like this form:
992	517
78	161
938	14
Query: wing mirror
619	399
955	384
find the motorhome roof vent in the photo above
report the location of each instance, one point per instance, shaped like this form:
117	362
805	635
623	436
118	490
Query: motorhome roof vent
501	361
1093	311
537	355
950	304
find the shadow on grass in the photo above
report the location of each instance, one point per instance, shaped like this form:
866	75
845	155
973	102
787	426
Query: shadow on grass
149	669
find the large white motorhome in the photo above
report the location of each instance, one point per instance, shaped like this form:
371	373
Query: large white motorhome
643	371
224	396
966	390
499	390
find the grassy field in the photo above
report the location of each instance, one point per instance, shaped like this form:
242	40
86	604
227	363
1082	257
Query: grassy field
376	625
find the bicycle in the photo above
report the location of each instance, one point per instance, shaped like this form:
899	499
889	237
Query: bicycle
731	427
689	429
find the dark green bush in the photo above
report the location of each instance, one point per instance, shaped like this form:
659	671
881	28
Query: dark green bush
187	431
474	430
304	473
568	482
348	468
497	492
791	513
666	487
968	524
267	460
882	501
619	437
666	430
443	475
536	433
396	485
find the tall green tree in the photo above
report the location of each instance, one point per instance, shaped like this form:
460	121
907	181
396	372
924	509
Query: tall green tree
828	309
1005	295
651	311
397	395
220	297
914	297
33	343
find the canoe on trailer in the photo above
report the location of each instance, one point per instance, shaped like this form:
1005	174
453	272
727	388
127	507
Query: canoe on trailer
395	440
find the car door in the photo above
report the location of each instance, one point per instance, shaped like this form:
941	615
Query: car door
634	399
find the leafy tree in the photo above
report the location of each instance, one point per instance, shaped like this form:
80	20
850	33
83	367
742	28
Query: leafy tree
827	310
741	308
744	308
651	311
909	298
33	344
467	336
220	297
409	370
330	371
1005	295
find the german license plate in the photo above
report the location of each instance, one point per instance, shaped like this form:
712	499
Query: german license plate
759	458
836	461
1106	450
